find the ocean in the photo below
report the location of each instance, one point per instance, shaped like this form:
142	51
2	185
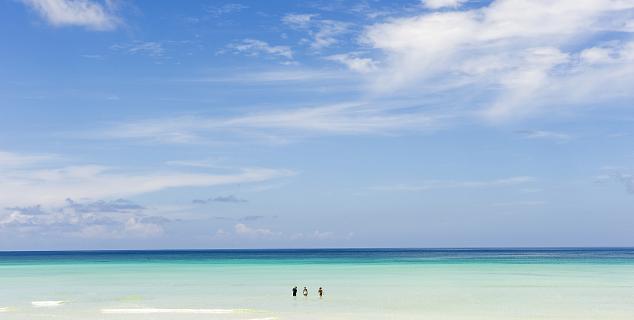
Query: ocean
578	283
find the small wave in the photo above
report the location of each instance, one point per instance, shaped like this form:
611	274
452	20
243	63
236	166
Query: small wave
4	309
47	303
166	311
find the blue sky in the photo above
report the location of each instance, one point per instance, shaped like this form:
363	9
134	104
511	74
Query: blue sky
209	124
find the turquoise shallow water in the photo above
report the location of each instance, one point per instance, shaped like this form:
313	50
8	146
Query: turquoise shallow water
359	284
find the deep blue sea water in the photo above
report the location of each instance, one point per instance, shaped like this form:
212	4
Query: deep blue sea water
387	255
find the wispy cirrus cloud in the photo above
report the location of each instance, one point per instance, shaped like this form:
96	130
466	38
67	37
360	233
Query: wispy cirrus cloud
50	184
148	48
617	175
545	135
528	57
242	231
13	159
222	199
254	47
342	119
227	8
92	15
323	33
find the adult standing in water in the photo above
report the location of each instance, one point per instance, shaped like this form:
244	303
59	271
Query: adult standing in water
295	291
321	292
305	292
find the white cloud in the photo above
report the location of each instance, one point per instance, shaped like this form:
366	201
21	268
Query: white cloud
276	76
327	32
246	231
527	56
51	185
253	47
242	231
441	184
12	159
217	11
437	4
148	48
616	175
85	219
298	20
323	32
358	64
547	135
345	118
616	52
84	13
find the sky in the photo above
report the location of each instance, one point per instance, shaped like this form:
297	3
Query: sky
288	124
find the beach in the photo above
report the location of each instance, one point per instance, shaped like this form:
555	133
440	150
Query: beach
359	284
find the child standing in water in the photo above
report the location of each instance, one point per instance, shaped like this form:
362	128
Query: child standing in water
305	292
321	292
295	291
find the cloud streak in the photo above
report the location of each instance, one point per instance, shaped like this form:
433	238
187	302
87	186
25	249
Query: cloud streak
24	186
338	119
222	199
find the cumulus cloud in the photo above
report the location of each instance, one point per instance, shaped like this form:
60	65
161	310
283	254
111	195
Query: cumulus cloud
28	210
253	47
87	219
84	13
524	55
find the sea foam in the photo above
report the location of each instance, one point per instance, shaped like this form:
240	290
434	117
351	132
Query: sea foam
47	303
4	309
166	311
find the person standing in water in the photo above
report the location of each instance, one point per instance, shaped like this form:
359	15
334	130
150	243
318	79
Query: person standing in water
295	291
321	292
305	292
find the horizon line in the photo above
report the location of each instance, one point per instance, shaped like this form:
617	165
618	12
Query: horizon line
332	248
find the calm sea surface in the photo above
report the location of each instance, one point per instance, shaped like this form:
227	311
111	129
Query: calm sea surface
358	284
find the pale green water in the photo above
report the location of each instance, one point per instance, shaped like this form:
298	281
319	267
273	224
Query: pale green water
358	285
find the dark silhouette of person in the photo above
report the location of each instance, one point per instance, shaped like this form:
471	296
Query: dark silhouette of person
305	292
321	292
295	291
